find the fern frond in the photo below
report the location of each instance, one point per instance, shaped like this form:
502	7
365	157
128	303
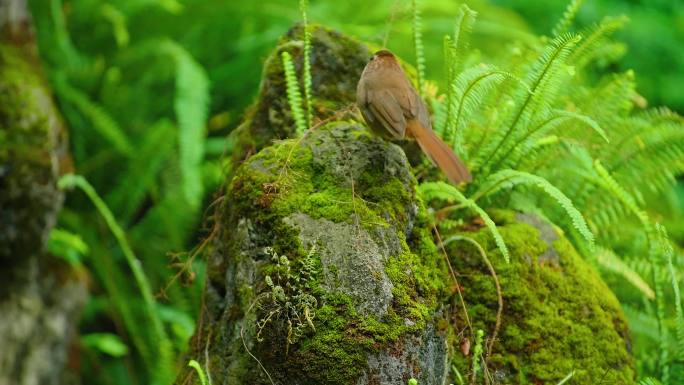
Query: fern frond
610	184
544	80
524	146
679	313
607	259
641	322
191	103
100	120
153	150
418	44
469	90
465	20
200	372
568	17
649	147
294	96
594	38
505	179
612	98
303	5
162	341
656	245
449	193
650	381
450	74
477	354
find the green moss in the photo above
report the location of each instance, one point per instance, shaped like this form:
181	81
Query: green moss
558	314
288	178
29	145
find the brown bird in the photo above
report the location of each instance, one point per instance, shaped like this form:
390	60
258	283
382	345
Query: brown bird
392	108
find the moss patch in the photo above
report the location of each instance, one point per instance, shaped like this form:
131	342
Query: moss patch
29	145
558	314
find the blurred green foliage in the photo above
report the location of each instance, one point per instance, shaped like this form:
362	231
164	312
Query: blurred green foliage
653	40
151	88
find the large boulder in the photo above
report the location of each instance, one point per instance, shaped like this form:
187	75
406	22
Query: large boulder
324	271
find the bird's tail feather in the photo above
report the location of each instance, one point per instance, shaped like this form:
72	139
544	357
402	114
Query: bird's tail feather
440	153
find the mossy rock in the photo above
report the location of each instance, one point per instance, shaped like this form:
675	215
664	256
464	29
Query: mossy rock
558	317
30	148
336	65
323	268
353	295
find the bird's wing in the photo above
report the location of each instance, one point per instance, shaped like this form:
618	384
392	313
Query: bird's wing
412	105
384	107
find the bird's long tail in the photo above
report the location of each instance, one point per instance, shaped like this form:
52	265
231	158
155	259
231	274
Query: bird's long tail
439	152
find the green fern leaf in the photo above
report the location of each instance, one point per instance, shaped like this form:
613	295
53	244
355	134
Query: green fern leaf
153	151
679	313
469	89
594	38
607	259
101	121
191	102
447	192
568	17
465	20
544	81
294	96
532	139
509	178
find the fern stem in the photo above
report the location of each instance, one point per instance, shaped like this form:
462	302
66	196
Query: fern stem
71	181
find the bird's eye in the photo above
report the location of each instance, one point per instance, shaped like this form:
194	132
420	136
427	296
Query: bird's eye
371	58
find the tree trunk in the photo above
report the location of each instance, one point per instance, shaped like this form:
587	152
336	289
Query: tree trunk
40	296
